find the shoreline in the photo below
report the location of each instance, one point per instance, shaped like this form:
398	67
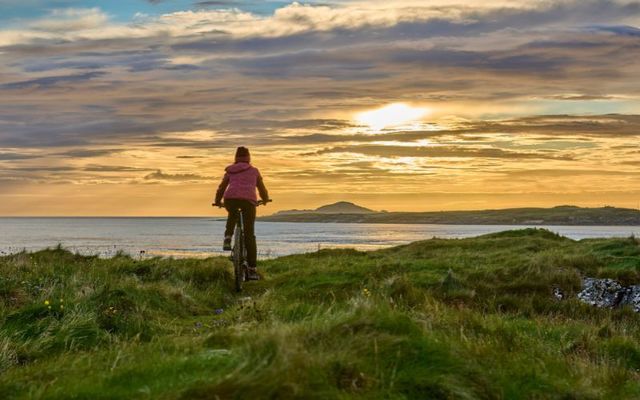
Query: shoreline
264	254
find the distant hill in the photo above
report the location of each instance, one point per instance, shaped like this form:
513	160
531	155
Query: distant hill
560	215
341	207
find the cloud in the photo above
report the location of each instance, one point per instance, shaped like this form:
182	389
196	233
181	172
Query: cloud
611	125
622	30
113	168
10	156
132	61
85	128
70	19
557	173
295	19
49	81
436	151
159	175
581	97
219	3
41	168
88	153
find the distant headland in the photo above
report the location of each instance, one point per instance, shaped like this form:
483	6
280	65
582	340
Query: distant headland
347	212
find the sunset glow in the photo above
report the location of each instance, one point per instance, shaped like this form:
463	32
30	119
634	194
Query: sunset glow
391	115
135	108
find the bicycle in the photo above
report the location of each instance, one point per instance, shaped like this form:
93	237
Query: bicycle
239	249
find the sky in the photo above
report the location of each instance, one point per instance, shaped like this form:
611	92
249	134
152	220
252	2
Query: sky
136	107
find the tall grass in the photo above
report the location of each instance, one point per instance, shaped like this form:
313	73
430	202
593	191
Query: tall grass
464	319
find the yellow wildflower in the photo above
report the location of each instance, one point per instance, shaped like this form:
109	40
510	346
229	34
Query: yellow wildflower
46	302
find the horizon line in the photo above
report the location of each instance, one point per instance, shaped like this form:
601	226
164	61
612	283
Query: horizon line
311	212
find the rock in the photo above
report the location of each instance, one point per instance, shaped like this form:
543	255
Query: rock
558	293
609	293
602	292
631	297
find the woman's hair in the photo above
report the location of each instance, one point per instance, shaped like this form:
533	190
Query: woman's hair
242	154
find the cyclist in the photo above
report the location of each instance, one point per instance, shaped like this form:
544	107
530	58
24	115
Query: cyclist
238	188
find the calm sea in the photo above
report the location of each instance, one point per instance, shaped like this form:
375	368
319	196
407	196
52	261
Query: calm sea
202	237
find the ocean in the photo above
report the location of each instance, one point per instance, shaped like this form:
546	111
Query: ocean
202	237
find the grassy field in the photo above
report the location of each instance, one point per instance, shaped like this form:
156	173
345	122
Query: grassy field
438	319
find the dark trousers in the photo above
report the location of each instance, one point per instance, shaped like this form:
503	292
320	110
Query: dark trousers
249	218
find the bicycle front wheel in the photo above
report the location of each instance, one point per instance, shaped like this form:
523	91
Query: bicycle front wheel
238	261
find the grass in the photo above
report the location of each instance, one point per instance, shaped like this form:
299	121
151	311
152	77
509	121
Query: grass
440	319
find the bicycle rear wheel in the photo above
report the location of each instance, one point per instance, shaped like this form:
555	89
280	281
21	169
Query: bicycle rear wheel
238	259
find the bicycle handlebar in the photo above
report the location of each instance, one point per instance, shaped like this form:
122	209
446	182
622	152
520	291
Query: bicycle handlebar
259	203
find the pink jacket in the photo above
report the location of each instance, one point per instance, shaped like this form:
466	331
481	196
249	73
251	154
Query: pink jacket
240	182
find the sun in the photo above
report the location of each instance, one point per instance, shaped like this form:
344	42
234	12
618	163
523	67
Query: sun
391	115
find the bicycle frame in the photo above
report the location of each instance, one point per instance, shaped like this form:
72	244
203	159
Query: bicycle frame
239	249
239	252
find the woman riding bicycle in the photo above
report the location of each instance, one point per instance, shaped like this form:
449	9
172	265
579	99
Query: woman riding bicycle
238	188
